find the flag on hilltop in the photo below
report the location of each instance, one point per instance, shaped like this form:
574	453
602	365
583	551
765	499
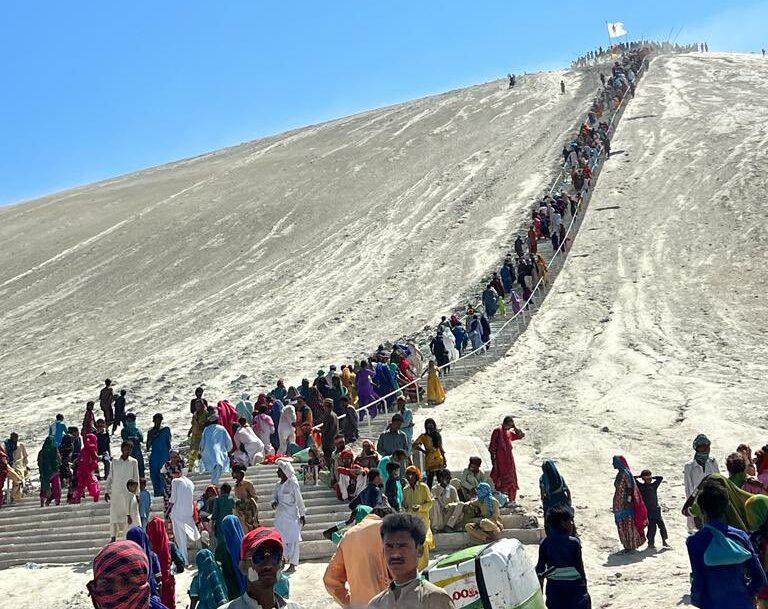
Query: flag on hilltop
616	29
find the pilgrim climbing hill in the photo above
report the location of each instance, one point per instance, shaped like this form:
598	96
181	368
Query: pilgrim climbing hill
272	258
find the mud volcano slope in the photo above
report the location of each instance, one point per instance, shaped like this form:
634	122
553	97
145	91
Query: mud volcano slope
268	258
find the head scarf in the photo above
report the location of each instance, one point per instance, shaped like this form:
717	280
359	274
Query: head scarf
638	505
233	534
736	514
213	592
120	577
485	494
138	536
287	469
161	545
91	441
700	457
757	511
412	469
551	480
130	425
620	463
361	511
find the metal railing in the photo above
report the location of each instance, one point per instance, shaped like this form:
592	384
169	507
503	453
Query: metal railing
541	285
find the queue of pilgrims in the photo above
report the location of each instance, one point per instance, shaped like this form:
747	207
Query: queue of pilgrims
395	506
600	54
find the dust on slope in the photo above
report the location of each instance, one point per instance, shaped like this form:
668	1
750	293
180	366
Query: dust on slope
654	331
272	257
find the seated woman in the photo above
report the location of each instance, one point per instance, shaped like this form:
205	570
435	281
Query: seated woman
488	526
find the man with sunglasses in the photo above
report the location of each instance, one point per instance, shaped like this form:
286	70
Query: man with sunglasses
261	561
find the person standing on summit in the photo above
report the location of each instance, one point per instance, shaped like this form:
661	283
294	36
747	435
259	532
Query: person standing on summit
106	397
562	87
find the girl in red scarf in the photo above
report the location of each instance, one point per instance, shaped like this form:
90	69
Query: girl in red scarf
161	546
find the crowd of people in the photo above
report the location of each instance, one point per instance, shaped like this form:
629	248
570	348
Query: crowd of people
397	488
602	55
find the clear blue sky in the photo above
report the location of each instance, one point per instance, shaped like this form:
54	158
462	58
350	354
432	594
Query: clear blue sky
95	88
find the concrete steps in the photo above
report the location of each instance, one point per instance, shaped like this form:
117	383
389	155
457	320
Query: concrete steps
74	533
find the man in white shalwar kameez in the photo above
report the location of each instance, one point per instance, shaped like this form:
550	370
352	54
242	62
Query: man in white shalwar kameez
121	500
289	511
249	449
182	512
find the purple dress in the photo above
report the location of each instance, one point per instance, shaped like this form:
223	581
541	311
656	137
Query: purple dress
365	391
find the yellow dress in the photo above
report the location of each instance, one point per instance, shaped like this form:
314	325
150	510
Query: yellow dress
420	497
348	380
433	460
435	389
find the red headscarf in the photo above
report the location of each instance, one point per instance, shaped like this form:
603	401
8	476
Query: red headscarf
89	459
161	545
227	417
120	572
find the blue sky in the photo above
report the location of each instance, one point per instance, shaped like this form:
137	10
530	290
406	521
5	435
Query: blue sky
93	89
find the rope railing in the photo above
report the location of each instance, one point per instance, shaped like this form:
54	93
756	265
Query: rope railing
540	285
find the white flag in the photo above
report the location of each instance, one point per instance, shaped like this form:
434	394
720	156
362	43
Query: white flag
616	29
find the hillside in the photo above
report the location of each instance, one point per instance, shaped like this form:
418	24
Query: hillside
271	258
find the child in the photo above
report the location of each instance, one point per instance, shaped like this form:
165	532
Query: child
102	446
132	509
145	503
649	489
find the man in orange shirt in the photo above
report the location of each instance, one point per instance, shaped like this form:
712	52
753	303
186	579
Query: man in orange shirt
358	571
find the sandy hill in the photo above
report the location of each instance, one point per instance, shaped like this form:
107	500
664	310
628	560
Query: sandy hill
271	258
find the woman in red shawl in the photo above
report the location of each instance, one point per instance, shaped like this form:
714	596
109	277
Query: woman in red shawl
161	546
227	417
629	510
503	472
87	470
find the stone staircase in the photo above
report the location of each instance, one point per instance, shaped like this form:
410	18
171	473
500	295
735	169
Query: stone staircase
68	534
